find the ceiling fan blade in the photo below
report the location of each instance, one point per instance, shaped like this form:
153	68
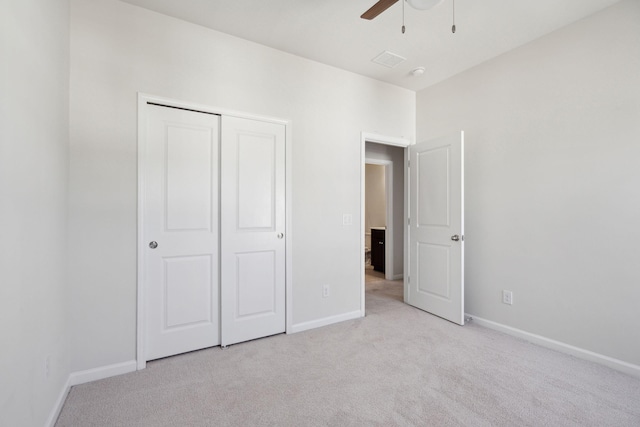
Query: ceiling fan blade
378	8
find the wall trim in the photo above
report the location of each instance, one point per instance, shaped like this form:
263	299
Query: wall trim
81	377
95	374
384	139
618	365
325	321
57	408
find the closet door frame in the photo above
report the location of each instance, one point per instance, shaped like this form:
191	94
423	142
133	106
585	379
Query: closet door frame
143	100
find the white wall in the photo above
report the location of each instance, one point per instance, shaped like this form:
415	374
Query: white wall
117	50
552	133
396	156
375	206
34	52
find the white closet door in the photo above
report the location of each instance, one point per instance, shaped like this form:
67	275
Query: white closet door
252	230
436	231
180	228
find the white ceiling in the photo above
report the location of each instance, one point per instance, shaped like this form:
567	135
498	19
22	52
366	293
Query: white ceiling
331	31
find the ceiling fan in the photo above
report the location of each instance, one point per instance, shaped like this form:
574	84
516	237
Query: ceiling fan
383	5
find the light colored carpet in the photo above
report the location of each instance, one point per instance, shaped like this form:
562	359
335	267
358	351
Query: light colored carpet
397	366
370	275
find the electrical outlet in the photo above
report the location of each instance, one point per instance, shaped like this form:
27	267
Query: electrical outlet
507	297
325	291
347	219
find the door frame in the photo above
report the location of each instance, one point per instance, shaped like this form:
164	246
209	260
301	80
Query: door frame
384	140
143	99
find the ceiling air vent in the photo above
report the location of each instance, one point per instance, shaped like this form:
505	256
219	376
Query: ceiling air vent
388	59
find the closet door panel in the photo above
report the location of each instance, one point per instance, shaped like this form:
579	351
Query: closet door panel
252	230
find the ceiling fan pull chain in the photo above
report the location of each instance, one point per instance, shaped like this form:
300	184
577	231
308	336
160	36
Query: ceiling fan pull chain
402	16
453	27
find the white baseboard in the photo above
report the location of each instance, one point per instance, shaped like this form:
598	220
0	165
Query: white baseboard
397	276
81	377
62	397
325	321
619	365
89	375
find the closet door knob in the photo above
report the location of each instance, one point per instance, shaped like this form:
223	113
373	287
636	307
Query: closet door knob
280	235
153	244
455	237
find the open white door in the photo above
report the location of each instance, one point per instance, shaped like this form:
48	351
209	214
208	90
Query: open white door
252	230
436	227
180	231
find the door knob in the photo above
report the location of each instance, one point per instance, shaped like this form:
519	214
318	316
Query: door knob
455	237
153	244
280	235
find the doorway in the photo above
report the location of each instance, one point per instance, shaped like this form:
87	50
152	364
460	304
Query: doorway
378	214
389	155
433	198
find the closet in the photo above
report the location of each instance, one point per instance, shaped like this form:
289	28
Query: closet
211	230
